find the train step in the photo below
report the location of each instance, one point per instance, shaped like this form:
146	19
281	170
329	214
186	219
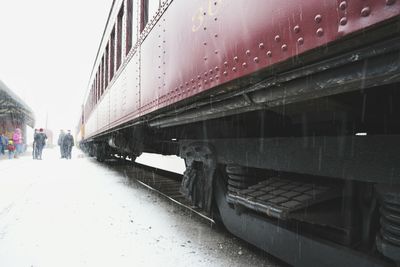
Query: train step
278	198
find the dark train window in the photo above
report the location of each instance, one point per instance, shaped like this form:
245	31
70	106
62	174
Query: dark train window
106	68
96	85
144	18
101	76
112	54
119	36
129	22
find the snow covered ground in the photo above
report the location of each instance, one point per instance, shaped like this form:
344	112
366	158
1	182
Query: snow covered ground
58	212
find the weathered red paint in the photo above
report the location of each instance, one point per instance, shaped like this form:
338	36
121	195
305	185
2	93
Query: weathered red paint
193	46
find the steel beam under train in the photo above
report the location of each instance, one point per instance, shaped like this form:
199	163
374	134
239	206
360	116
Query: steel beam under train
363	158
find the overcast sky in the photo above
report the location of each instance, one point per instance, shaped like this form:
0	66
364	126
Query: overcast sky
47	49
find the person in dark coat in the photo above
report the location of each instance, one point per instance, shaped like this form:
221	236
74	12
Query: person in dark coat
34	145
40	143
3	143
60	143
68	143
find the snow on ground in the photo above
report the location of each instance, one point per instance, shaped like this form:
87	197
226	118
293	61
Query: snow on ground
58	212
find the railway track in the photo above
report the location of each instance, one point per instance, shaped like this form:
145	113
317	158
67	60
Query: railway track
164	183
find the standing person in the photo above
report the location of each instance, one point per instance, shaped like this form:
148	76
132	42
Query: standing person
60	143
40	142
17	140
34	146
3	143
68	143
11	149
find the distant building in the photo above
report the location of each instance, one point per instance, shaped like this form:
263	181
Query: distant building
14	113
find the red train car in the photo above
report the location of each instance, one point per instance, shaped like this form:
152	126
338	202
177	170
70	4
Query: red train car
286	113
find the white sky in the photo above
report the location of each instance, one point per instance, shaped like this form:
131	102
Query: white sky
47	49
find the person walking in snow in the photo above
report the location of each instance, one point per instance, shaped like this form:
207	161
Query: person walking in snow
11	149
68	143
18	141
40	140
60	143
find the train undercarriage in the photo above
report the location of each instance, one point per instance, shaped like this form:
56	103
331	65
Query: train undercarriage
307	160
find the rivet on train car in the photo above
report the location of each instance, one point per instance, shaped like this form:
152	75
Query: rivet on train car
199	77
261	46
300	41
236	59
210	71
205	43
205	58
343	5
216	77
390	2
216	52
365	11
248	52
215	19
318	18
205	81
216	68
176	88
199	85
244	65
296	29
216	35
225	73
211	79
284	47
205	73
225	63
192	80
343	21
234	69
194	87
256	60
186	83
277	38
181	86
205	28
320	32
269	54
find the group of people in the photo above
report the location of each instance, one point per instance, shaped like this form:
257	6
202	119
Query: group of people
39	141
66	142
13	145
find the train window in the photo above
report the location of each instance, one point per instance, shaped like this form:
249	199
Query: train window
96	87
144	18
119	36
106	68
129	19
101	76
112	54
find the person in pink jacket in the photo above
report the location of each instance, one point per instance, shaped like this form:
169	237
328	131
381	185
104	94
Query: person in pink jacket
18	142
